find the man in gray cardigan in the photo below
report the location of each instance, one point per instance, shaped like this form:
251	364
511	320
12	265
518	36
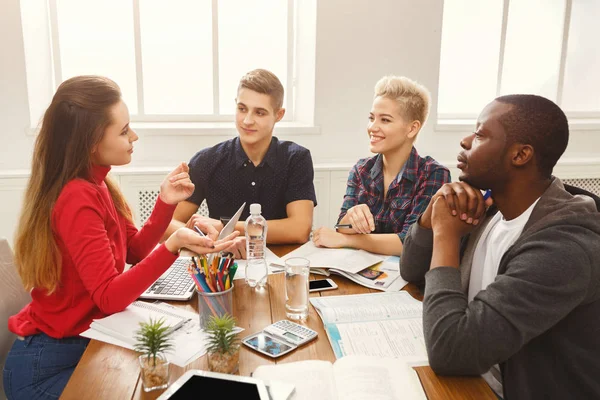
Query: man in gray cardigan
512	289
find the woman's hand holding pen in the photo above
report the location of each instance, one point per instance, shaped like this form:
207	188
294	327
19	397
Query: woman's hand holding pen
361	219
177	186
205	225
201	221
238	248
326	237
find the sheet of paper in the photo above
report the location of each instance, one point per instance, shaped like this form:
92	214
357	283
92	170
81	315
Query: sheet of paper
367	307
349	260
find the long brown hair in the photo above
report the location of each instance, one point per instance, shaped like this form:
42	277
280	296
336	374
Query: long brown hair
72	125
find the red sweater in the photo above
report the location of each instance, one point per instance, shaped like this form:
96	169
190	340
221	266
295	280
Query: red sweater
95	243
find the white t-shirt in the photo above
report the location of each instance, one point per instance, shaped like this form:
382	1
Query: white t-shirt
494	241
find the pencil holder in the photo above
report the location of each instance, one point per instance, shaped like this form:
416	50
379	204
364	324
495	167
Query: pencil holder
214	303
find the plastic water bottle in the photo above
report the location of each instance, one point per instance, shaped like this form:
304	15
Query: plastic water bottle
256	242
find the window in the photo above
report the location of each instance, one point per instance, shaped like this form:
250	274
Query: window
497	47
175	61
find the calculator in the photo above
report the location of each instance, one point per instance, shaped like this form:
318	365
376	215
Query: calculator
279	338
291	332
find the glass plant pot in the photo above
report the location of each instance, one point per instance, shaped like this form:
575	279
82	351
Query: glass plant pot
226	363
155	372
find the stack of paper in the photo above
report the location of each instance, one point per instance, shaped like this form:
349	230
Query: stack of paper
189	341
123	325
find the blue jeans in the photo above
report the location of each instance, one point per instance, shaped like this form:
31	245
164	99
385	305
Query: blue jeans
39	367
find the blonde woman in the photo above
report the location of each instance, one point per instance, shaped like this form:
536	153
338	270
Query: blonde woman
386	193
76	233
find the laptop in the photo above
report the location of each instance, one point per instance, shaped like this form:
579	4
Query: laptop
175	283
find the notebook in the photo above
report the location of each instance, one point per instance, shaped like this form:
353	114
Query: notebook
123	325
189	341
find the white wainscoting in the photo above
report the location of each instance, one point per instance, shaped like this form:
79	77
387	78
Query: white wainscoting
140	187
12	190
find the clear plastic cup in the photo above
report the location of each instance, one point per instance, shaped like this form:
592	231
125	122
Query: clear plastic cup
297	271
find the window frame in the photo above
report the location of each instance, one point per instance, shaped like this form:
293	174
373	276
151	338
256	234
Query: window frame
216	120
580	120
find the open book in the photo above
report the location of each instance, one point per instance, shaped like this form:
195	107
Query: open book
349	378
384	276
347	260
386	324
374	271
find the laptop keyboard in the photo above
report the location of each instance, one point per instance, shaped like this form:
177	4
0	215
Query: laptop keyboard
175	282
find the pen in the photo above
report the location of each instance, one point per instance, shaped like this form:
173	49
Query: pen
199	231
202	234
487	194
338	226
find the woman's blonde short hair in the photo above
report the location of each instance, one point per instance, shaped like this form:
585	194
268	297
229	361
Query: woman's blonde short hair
412	97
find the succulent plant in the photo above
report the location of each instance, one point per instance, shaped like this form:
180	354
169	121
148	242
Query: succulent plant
153	338
221	335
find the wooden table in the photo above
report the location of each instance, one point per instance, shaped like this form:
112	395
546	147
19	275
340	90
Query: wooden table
111	372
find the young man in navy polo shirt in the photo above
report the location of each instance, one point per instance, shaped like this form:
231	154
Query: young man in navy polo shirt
254	167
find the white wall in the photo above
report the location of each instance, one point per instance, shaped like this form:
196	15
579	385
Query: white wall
357	42
15	145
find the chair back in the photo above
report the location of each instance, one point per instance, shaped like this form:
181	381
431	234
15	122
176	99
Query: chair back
13	298
574	190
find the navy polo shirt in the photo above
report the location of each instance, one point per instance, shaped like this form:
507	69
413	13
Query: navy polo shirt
226	178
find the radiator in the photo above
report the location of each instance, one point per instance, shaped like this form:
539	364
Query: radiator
147	199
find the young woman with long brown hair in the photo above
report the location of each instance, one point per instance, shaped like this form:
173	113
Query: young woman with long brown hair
76	234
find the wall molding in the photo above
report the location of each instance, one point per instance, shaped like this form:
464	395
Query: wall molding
330	184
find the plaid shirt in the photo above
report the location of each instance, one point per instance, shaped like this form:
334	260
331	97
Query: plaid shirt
406	199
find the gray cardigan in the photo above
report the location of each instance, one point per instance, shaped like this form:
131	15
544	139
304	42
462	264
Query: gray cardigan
539	319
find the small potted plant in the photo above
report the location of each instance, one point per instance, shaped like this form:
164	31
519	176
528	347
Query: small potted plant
223	344
153	340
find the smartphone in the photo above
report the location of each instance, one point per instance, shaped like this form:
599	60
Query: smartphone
321	284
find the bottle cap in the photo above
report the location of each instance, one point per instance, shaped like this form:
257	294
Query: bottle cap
254	208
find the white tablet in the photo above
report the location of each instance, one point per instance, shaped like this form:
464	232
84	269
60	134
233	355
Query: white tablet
230	226
194	383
